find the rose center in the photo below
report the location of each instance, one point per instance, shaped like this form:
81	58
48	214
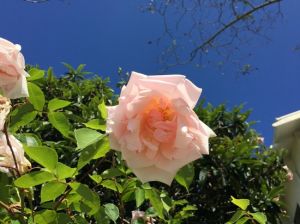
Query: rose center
159	121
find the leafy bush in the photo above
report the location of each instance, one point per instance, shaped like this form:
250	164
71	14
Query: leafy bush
76	178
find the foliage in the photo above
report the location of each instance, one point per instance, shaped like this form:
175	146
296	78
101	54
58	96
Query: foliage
242	215
76	178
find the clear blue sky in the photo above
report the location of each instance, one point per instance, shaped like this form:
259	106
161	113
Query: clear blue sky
109	34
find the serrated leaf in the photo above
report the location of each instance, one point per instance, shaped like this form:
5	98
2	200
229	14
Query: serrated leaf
45	217
185	176
89	198
45	156
112	211
155	201
35	74
56	104
33	179
112	172
60	122
242	220
94	151
63	171
139	196
237	215
51	190
259	217
86	137
103	110
22	116
29	139
36	96
242	203
96	124
112	185
96	178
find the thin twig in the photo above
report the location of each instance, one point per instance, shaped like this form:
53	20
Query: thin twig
11	149
228	25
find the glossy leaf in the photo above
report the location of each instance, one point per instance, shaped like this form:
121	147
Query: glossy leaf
112	211
242	203
185	176
36	96
33	179
45	156
86	137
35	74
60	122
56	104
51	190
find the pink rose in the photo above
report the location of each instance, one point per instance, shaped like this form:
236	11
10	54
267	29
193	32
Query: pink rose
4	110
141	216
6	158
12	74
155	127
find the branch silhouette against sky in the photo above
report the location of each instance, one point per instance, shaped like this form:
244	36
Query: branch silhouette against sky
192	28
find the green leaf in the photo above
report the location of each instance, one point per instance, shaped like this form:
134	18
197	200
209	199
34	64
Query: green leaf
112	211
35	74
45	156
96	124
96	178
242	220
89	198
112	185
259	217
56	104
86	137
237	215
60	122
45	217
63	171
101	216
5	188
103	148
94	151
103	110
51	190
242	203
22	116
139	196
29	139
112	172
78	220
166	202
155	201
34	179
63	218
185	176
36	96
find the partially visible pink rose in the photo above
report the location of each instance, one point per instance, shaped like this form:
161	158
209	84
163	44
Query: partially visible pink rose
12	74
137	215
6	158
289	174
155	127
4	110
141	216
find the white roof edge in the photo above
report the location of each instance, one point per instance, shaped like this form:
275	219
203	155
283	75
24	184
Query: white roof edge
287	119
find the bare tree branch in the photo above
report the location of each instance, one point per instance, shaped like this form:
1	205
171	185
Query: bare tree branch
228	25
192	29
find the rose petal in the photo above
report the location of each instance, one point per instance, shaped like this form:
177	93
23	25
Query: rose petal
136	159
153	173
19	89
